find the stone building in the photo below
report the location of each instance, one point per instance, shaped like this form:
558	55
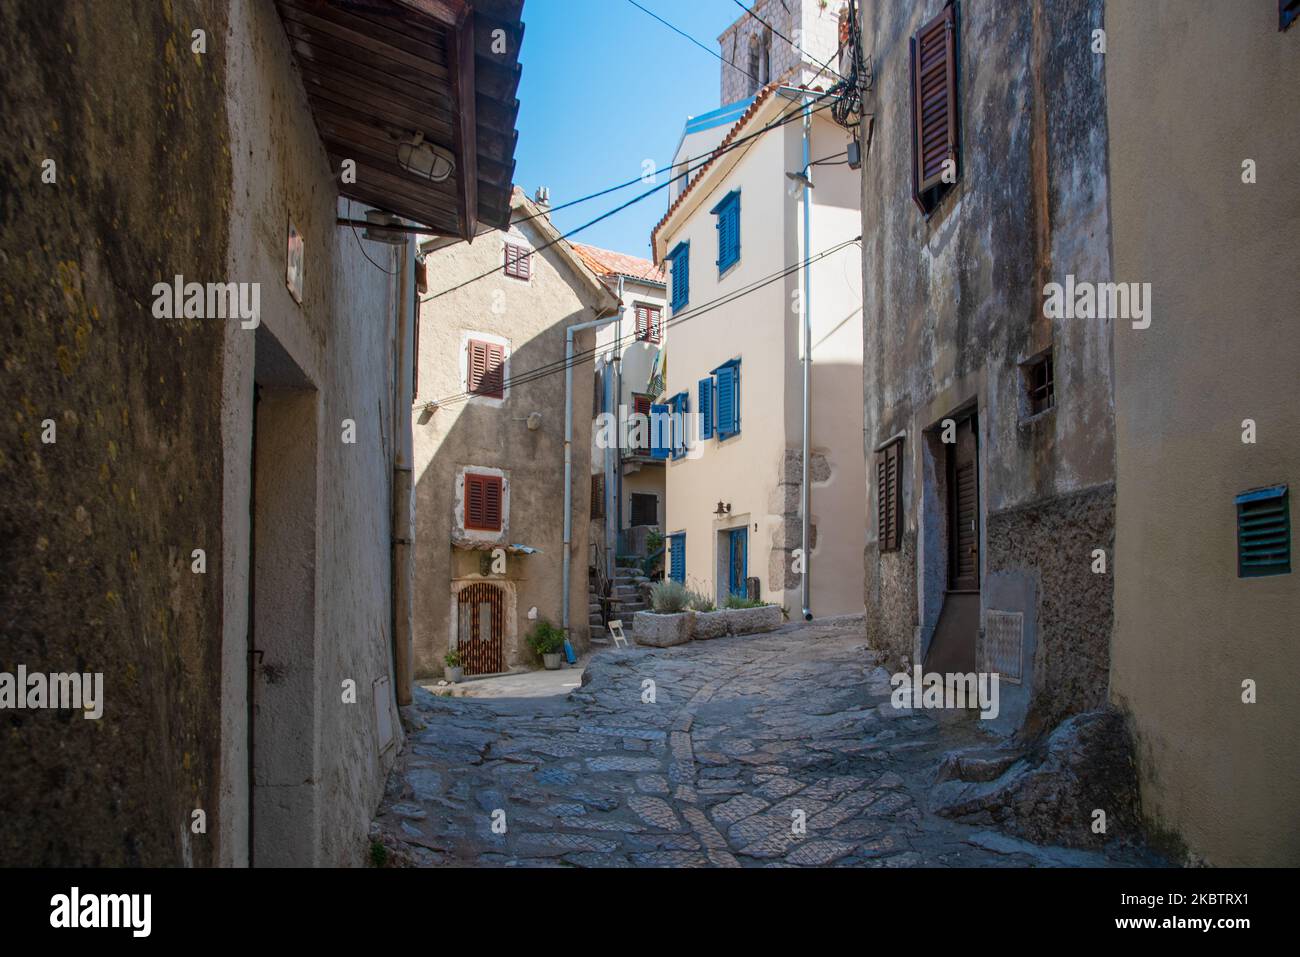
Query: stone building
490	443
1206	598
210	506
783	41
627	492
734	241
989	423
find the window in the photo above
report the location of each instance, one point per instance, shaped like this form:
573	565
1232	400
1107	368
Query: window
641	432
485	368
1287	11
1264	532
1040	388
706	407
645	509
678	406
728	226
598	496
661	431
727	399
483	502
889	496
680	257
649	319
934	109
517	260
677	557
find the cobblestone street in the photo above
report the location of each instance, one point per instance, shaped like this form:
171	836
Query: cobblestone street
744	732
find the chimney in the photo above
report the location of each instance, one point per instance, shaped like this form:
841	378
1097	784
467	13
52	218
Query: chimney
543	199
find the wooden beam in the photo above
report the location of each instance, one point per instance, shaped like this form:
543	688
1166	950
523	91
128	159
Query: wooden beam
462	70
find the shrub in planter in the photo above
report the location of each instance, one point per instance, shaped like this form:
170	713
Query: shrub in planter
669	597
452	671
547	642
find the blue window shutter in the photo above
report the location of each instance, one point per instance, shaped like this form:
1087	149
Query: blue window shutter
660	431
728	413
706	408
677	559
680	405
728	226
681	260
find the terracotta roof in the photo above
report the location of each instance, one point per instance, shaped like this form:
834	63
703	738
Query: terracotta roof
605	262
760	98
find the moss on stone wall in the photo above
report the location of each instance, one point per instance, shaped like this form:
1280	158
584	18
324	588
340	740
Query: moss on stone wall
97	529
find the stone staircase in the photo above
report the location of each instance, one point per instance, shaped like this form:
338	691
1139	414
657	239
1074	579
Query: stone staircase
630	593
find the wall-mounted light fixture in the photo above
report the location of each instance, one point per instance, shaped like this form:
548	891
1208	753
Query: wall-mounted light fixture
723	509
425	160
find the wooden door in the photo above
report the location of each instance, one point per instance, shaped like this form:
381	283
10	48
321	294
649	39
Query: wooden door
738	566
479	627
963	508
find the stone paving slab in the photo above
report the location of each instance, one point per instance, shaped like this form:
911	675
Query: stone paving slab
769	750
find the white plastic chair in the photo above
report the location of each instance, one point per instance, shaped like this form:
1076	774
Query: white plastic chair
616	632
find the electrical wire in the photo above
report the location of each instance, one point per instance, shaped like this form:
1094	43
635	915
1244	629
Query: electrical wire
560	365
703	161
392	272
708	50
824	66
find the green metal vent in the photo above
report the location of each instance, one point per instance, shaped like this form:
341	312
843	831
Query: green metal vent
1264	532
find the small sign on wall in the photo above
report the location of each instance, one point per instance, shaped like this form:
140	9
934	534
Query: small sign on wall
293	268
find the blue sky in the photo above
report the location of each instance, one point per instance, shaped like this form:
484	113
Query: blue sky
605	87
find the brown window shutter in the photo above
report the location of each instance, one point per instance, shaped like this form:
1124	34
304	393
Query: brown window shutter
517	261
934	106
653	328
889	500
598	496
483	502
486	369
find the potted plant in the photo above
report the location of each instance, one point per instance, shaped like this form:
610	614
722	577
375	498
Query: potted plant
452	671
547	642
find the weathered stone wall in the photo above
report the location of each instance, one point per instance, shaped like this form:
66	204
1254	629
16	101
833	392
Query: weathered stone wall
953	306
1049	543
96	529
812	24
531	316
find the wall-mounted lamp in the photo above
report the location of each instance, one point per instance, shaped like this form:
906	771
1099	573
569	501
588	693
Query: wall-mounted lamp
425	160
723	509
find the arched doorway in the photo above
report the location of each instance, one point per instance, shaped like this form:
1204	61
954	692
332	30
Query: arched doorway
479	623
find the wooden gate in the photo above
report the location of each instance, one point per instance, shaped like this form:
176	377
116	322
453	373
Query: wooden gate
479	617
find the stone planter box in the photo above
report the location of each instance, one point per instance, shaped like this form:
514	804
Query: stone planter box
662	631
711	624
751	621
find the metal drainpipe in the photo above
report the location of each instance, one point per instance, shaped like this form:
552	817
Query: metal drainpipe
403	525
613	457
568	458
805	493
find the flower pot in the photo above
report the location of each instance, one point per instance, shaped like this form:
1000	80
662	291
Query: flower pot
453	674
552	661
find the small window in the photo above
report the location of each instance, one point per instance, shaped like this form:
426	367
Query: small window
485	368
1040	387
597	392
677	557
598	496
645	509
889	496
726	399
518	261
1264	532
649	323
483	502
935	155
728	226
680	258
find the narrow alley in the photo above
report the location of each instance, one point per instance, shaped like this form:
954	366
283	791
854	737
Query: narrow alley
742	734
